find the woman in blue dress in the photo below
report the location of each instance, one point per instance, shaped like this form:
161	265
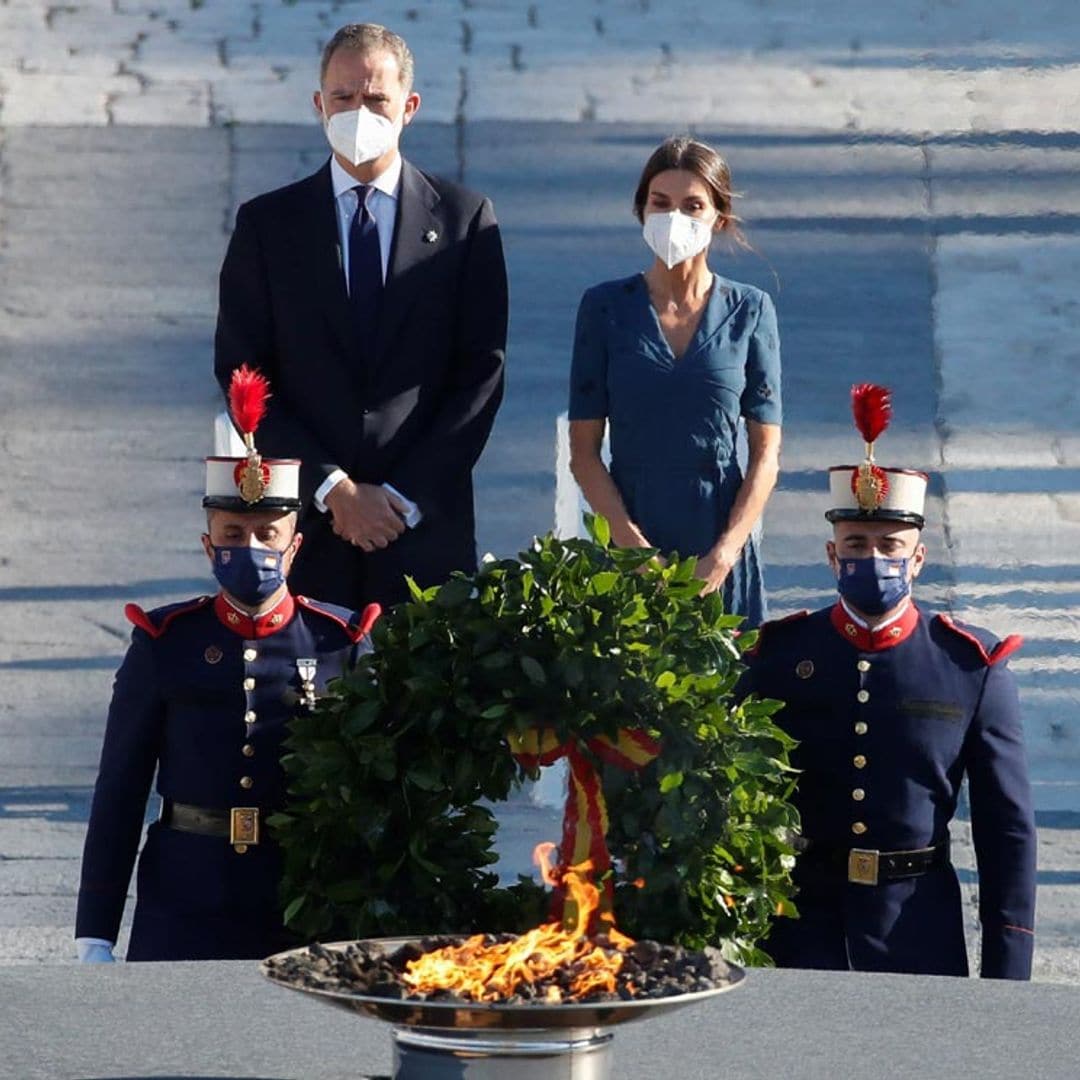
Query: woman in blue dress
672	360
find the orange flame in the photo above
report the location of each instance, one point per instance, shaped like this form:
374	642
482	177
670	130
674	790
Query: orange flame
549	872
482	972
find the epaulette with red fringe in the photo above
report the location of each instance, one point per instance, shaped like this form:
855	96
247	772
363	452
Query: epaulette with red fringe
1001	651
356	624
765	626
156	622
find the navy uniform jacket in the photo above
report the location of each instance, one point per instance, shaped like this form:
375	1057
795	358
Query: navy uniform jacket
889	722
203	696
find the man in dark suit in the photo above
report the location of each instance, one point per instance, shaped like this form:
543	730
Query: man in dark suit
374	297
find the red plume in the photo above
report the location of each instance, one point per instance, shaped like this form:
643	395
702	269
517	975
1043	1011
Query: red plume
248	394
872	408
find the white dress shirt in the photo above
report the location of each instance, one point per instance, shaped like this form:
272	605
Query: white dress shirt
382	204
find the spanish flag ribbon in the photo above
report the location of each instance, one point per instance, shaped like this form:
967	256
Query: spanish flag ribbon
585	820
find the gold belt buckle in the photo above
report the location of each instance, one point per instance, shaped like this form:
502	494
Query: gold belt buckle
862	866
243	827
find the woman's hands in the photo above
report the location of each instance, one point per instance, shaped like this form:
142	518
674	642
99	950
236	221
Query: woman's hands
632	537
764	467
714	567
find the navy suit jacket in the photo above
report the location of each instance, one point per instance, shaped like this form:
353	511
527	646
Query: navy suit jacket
889	724
412	408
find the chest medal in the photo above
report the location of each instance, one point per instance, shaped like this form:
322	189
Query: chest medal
306	668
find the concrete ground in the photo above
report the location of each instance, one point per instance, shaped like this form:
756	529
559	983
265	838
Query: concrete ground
909	186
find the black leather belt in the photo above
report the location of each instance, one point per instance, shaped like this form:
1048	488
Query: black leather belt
239	824
867	866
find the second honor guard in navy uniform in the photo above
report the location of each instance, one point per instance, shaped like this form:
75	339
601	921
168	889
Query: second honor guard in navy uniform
892	709
204	697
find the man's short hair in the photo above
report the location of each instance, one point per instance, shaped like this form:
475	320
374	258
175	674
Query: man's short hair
369	38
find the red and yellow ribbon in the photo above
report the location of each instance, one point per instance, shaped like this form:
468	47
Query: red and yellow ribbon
585	820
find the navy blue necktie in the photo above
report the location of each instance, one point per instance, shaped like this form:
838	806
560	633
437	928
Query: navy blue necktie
365	270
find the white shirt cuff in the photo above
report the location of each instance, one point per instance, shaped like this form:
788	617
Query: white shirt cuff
326	487
413	515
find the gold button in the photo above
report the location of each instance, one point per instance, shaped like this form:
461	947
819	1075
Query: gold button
862	696
859	761
858	794
249	716
247	750
858	828
246	781
861	727
239	848
863	665
250	654
249	683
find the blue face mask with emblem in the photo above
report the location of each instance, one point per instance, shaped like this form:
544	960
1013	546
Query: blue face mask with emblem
251	574
873	585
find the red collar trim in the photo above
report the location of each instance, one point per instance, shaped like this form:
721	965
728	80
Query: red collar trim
255	626
874	640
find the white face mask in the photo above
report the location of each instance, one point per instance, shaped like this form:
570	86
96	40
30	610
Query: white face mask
676	237
360	135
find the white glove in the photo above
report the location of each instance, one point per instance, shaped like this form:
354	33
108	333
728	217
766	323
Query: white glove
94	950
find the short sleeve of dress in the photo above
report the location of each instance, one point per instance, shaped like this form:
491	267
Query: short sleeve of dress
761	398
588	368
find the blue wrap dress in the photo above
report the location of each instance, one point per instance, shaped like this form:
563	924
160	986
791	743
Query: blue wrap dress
674	423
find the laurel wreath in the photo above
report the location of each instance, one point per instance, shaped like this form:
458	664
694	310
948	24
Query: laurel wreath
388	828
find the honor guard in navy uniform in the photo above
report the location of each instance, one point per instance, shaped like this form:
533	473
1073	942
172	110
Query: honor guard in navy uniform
892	709
204	697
